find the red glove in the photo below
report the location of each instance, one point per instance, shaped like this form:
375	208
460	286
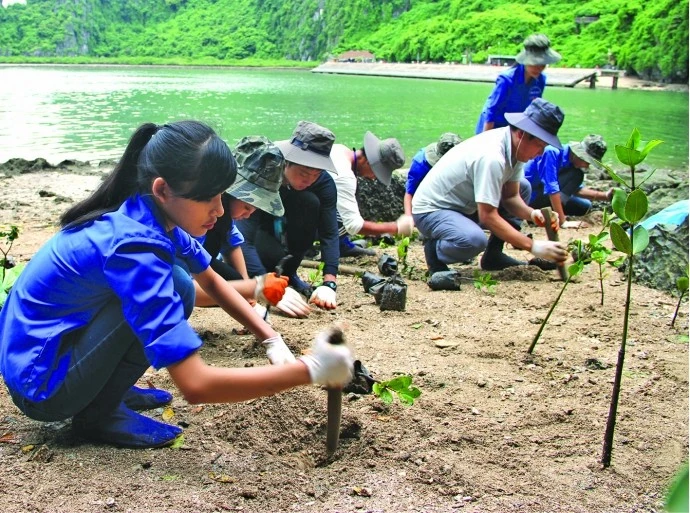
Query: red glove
270	288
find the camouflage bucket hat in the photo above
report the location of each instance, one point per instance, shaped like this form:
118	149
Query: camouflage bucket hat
260	166
384	156
537	52
435	151
309	146
591	149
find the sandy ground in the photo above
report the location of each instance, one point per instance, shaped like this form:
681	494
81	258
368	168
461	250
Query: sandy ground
495	429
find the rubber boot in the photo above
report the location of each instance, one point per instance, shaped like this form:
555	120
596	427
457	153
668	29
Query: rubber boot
146	398
494	259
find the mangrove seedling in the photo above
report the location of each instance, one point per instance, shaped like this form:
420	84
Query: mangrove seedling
9	272
316	276
682	286
400	386
630	205
484	281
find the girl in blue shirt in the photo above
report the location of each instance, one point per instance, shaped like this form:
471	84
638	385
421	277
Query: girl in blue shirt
517	87
103	299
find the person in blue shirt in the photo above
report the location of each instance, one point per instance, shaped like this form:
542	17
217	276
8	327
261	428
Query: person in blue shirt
517	87
422	162
557	177
103	299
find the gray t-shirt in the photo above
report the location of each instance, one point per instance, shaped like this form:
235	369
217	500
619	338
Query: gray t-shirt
472	172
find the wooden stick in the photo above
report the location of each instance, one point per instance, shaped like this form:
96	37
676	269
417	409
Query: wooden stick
553	236
342	269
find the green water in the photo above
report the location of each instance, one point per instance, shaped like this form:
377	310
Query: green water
89	112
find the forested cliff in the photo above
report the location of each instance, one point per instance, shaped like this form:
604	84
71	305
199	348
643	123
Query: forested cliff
647	38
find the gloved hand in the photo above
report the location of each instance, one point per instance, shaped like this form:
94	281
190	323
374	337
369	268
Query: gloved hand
270	288
261	311
549	250
324	297
329	364
538	219
293	305
405	225
276	350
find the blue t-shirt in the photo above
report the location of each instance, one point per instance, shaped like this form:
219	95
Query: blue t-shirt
545	168
418	170
511	94
124	256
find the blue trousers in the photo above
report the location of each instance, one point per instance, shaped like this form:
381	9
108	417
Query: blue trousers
107	359
569	182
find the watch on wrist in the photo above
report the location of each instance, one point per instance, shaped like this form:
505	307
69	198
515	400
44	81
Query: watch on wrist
331	285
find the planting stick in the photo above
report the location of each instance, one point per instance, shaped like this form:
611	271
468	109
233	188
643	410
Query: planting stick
335	402
553	235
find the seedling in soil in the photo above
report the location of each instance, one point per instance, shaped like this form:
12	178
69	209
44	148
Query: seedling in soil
9	272
400	386
316	276
682	286
630	204
484	281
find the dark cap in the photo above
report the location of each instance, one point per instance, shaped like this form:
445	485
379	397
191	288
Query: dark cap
541	119
591	149
309	146
434	151
260	166
537	52
384	156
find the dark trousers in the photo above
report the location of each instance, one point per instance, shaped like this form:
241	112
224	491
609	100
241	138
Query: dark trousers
569	181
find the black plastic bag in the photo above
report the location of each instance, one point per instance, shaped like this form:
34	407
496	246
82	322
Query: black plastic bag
391	294
388	265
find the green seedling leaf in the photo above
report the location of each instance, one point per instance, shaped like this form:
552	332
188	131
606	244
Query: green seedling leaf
650	146
576	268
400	383
634	139
646	177
640	239
636	206
613	175
620	198
628	156
386	395
401	386
620	239
402	248
682	284
417	325
600	256
178	443
618	261
408	396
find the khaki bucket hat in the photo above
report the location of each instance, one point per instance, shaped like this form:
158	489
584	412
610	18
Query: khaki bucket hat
309	146
591	149
384	156
435	151
260	166
537	51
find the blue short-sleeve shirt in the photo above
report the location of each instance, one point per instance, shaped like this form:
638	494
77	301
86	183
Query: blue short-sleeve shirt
545	169
419	168
125	255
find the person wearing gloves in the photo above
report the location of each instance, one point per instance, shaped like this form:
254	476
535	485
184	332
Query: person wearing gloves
557	177
309	198
375	160
478	185
103	299
422	162
517	87
260	166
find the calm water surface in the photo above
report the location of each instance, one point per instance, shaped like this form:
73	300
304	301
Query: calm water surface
89	112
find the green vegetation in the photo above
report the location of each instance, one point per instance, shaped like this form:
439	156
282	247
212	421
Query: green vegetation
682	286
9	271
650	38
400	386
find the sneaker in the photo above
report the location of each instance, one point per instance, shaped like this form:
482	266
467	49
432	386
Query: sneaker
498	261
444	280
543	264
300	286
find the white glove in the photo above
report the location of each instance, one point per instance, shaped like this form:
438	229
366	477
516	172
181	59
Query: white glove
261	311
329	364
405	225
276	350
324	297
549	250
293	304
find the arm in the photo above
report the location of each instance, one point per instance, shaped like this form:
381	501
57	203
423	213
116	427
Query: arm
201	383
492	221
513	202
407	204
235	258
595	195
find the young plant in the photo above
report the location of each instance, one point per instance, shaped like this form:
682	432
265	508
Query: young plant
400	386
316	276
403	248
9	272
484	281
682	286
630	238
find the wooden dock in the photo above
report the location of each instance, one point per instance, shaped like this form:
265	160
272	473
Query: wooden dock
564	77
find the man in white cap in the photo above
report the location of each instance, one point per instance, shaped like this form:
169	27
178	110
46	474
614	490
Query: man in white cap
309	198
375	160
479	184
